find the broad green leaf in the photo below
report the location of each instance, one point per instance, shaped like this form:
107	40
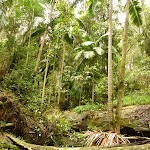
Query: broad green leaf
78	48
99	50
38	32
104	35
90	9
87	43
135	12
78	55
101	38
81	24
43	61
89	54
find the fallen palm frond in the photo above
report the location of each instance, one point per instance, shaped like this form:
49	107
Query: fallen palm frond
105	139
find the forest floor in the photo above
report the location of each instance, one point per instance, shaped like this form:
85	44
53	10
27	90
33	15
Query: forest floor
60	124
141	113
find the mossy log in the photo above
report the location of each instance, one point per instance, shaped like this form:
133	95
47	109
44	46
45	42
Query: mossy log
7	125
39	147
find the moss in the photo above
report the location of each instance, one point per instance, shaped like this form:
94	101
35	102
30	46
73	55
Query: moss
4	144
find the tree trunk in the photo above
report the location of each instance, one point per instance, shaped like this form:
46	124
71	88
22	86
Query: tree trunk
51	81
63	58
93	89
122	72
110	83
43	41
61	72
26	34
46	69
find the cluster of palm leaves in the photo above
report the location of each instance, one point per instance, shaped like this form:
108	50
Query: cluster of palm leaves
105	139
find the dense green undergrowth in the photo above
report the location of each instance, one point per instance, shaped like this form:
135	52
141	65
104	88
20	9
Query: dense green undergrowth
82	108
134	100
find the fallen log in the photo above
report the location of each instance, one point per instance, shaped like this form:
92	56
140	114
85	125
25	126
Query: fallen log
39	147
7	125
137	138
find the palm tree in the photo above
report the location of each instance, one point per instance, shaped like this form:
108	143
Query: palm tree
110	84
87	53
134	10
122	71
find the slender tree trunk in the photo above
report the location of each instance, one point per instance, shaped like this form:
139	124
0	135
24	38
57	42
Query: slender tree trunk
45	75
63	58
110	83
28	46
80	96
51	81
43	41
61	72
26	34
122	71
93	89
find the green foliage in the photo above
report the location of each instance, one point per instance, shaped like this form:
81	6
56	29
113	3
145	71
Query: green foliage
82	108
19	80
81	24
135	12
101	89
6	144
61	126
85	40
134	99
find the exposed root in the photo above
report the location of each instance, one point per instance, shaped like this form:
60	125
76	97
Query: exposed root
10	112
105	139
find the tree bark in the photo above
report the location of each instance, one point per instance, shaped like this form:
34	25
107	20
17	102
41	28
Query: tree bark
44	36
61	72
93	89
110	83
46	69
122	72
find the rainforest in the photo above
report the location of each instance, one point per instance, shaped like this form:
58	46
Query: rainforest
74	74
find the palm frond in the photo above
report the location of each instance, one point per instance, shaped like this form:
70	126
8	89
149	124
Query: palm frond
135	12
105	139
99	50
38	32
87	43
81	24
